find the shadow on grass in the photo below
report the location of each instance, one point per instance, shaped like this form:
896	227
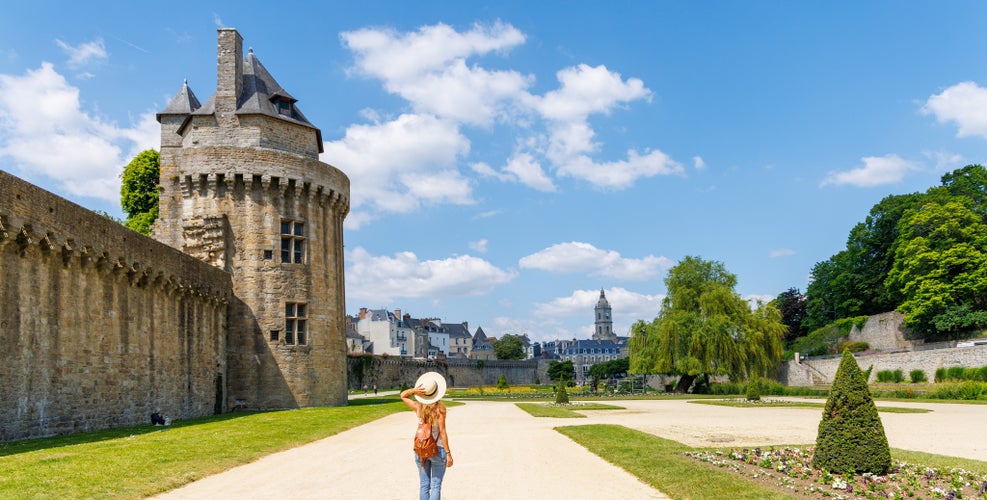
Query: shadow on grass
45	443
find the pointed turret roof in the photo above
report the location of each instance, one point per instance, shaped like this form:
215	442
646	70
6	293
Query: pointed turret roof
183	103
602	303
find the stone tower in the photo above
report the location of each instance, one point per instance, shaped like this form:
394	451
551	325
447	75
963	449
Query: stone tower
604	321
242	188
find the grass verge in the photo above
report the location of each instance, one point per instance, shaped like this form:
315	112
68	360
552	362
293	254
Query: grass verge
739	403
543	410
145	460
660	463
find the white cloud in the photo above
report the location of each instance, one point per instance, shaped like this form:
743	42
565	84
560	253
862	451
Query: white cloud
965	104
945	161
428	68
620	174
528	171
399	165
753	299
588	90
479	246
627	306
384	279
84	54
432	69
698	163
44	131
781	252
578	257
877	171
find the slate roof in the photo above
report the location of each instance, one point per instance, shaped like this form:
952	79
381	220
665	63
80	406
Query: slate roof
590	346
258	95
456	330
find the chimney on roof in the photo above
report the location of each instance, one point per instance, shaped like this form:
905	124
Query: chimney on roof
397	313
229	79
466	326
363	313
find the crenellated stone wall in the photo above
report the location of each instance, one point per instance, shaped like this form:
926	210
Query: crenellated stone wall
393	372
99	325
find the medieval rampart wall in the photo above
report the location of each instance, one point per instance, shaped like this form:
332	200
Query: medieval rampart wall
99	325
392	372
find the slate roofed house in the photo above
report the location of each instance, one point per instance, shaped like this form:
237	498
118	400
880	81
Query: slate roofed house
385	330
482	348
586	353
355	343
460	340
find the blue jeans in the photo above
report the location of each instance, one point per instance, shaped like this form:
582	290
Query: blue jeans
430	476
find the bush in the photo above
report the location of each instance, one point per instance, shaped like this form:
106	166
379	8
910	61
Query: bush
851	436
940	375
753	389
561	397
955	373
968	391
917	376
885	376
898	376
502	382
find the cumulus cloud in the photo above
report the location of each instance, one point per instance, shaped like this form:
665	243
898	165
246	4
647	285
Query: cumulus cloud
698	163
578	257
479	246
877	171
386	278
434	69
84	54
964	104
45	132
628	307
397	166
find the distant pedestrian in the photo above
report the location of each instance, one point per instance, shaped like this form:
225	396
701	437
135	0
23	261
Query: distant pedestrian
364	389
428	391
375	389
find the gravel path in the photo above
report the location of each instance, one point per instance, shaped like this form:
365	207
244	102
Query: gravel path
502	452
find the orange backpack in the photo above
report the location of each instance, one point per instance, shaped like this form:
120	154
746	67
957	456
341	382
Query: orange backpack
425	445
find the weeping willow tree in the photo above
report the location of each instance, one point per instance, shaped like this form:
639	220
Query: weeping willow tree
705	328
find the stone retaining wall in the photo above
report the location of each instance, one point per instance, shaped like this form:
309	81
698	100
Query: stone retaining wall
817	371
393	372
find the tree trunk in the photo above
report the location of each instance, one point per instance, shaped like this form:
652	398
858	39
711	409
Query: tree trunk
685	381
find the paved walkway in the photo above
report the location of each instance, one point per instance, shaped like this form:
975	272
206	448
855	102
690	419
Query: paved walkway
502	452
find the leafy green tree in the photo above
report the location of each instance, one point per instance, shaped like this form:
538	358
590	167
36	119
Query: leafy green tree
560	371
851	436
705	328
941	269
509	346
139	191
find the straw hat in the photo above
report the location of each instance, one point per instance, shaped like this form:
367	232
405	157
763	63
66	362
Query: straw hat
435	387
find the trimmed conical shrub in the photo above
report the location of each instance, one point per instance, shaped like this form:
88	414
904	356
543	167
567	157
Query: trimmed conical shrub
562	397
851	436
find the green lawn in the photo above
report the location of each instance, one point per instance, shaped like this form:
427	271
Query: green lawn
141	461
660	463
544	410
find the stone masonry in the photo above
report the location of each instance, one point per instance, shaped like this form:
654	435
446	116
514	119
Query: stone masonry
238	304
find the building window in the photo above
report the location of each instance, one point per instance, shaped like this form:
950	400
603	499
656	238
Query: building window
294	323
275	335
283	106
292	242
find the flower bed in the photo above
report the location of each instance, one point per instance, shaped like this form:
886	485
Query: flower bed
790	469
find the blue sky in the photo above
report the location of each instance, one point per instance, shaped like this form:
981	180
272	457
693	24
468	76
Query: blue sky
510	159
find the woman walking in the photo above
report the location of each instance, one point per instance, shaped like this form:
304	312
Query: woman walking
428	392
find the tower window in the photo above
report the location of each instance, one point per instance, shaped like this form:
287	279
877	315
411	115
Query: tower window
292	242
283	106
294	323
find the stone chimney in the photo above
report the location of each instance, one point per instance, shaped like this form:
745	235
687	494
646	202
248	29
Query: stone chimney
229	79
363	313
397	313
